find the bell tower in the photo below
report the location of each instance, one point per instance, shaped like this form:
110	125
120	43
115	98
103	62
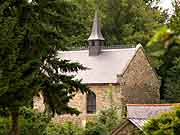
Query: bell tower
96	39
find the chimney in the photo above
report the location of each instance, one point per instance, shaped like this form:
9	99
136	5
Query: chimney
96	39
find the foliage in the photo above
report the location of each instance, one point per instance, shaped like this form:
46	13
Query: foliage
106	120
34	123
67	128
123	21
95	128
129	21
31	123
31	33
164	49
175	18
165	124
110	118
4	125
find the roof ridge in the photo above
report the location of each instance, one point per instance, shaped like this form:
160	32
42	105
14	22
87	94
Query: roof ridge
103	50
149	104
117	49
136	118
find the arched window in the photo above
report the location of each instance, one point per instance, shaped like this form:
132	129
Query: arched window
91	103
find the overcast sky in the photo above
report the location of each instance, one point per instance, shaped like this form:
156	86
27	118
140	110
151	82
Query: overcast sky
167	4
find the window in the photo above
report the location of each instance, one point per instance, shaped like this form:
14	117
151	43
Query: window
93	43
91	103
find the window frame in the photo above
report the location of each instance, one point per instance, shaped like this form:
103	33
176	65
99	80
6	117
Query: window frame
91	103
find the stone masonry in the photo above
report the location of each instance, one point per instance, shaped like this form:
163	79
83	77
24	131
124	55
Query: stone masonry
139	83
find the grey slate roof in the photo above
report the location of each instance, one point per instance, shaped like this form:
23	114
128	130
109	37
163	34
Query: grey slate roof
103	68
96	29
139	123
138	114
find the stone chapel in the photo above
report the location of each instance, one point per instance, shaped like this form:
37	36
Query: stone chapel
126	71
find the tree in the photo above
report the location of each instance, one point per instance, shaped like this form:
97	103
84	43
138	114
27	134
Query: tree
123	21
30	35
129	21
175	18
164	49
165	124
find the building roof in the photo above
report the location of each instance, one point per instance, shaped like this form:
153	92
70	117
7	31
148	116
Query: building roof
103	68
138	114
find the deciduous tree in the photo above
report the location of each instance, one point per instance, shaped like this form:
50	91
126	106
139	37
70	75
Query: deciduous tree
164	49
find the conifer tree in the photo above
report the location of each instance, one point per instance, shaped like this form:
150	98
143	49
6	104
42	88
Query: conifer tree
30	35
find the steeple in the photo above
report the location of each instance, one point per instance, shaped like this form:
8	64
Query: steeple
96	39
96	29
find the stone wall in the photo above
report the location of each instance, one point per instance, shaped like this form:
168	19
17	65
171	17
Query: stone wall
139	83
103	101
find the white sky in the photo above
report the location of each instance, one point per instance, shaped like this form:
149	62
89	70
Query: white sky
167	4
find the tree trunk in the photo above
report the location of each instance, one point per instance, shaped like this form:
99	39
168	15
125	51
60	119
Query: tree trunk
15	123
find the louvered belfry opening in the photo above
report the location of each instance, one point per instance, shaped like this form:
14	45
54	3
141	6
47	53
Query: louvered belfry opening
91	103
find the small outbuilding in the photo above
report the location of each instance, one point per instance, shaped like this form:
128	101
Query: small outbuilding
137	116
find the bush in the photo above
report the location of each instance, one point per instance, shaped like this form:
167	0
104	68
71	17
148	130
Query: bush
34	123
31	123
167	123
93	128
67	128
104	123
4	125
110	118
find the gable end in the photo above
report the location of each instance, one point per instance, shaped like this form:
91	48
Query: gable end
139	81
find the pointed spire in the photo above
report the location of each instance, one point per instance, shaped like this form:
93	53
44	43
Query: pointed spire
96	39
96	29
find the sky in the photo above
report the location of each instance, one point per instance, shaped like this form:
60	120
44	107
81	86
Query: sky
167	4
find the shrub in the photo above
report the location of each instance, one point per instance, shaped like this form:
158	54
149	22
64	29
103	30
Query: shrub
4	125
167	123
31	123
106	120
94	128
67	128
110	118
34	123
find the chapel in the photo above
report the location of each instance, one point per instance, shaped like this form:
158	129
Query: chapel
126	73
